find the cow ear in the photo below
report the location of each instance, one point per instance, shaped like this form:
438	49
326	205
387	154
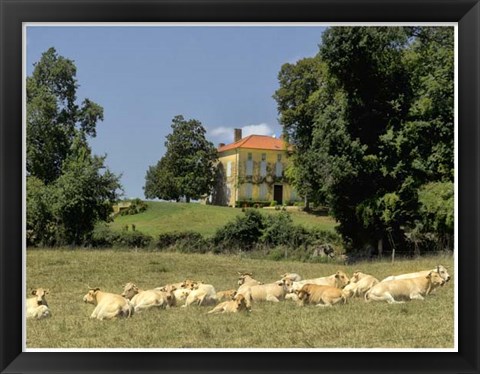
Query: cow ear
337	275
34	292
429	275
47	292
96	289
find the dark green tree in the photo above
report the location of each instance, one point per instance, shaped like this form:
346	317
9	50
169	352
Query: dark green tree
379	126
68	189
54	118
188	167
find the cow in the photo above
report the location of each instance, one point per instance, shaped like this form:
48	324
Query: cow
264	292
130	290
180	293
294	277
201	294
108	305
440	269
37	306
359	284
226	295
320	295
338	280
245	280
237	304
154	298
397	290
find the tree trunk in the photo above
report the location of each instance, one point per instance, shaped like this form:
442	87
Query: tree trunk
187	199
380	247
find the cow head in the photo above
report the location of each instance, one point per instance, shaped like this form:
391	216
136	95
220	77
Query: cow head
442	270
341	279
91	296
130	290
435	280
241	303
40	294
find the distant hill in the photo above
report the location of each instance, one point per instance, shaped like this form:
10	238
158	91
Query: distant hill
163	217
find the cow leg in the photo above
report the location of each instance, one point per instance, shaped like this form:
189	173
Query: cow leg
416	296
272	298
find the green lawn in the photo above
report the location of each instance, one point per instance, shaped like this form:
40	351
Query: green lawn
161	217
357	324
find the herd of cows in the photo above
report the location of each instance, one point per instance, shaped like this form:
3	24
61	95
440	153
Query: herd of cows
324	291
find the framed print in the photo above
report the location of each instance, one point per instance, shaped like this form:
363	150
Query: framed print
329	148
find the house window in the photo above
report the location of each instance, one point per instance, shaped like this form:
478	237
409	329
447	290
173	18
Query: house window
264	157
263	191
249	171
279	157
248	190
278	169
229	168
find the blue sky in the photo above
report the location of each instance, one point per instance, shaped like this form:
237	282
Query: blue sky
144	76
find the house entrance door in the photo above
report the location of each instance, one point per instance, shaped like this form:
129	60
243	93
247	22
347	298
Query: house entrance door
278	194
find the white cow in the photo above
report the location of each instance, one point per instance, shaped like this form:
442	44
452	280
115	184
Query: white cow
37	306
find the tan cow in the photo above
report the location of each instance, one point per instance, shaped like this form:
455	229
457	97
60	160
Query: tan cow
338	280
154	298
130	290
407	289
359	284
238	304
294	277
440	269
108	305
264	292
245	280
320	295
226	295
201	294
180	294
37	306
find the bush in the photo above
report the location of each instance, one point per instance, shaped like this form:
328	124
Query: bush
133	239
183	241
103	236
242	233
252	203
137	206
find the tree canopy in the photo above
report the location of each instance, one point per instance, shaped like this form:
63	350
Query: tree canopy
187	170
371	119
68	188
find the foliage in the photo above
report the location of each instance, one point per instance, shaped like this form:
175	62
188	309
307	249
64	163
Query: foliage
54	119
68	189
136	206
242	233
188	167
185	241
371	118
132	239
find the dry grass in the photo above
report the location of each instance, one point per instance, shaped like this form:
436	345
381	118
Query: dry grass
416	324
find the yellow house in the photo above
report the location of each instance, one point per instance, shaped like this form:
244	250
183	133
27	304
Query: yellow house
251	170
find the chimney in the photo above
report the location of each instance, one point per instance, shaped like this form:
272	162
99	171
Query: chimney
220	145
237	135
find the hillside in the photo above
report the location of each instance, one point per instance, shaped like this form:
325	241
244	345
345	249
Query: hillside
163	217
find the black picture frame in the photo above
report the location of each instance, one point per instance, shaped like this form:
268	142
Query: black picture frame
14	12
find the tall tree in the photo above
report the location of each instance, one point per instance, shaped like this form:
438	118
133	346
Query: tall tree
53	116
380	126
68	188
188	167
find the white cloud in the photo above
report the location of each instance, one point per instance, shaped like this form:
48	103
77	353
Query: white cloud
260	129
225	134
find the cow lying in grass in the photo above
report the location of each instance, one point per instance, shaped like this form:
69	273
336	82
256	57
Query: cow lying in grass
200	294
238	304
160	298
108	305
395	291
226	295
440	269
359	284
320	295
37	307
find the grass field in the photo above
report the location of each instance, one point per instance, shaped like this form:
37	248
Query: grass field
357	324
161	217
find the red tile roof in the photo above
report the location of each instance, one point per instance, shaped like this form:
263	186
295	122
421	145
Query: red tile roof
256	142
